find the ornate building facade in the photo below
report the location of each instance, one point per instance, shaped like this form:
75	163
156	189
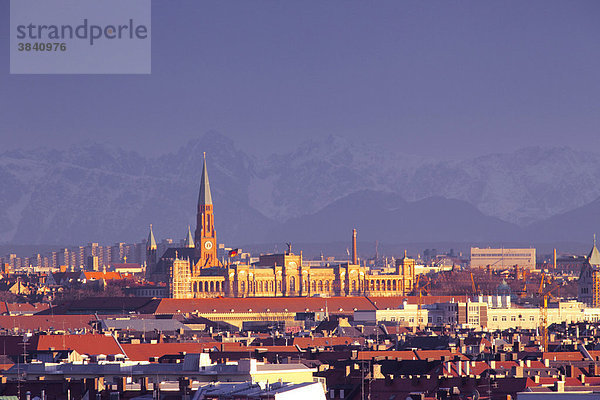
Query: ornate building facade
589	279
194	271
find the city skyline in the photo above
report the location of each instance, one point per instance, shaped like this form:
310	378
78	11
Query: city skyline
340	200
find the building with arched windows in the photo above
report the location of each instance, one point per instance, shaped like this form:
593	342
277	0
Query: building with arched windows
195	267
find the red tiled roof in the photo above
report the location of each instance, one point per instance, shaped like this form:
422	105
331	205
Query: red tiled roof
4	367
31	323
107	276
536	364
479	368
544	380
91	344
592	380
7	308
563	356
572	382
396	302
505	365
390	354
397	329
305	342
335	305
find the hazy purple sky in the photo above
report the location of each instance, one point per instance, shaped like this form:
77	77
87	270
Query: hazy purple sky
445	78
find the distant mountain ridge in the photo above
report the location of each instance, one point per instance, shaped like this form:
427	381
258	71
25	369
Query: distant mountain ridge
389	218
319	190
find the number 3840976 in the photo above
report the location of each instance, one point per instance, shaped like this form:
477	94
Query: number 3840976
41	46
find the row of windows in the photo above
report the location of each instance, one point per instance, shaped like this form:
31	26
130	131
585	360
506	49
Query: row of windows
402	319
429	319
316	286
320	286
208	286
513	318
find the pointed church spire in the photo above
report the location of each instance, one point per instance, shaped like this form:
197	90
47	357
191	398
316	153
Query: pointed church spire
204	198
189	240
594	256
151	243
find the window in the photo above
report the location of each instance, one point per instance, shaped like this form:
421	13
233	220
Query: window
513	318
504	318
494	318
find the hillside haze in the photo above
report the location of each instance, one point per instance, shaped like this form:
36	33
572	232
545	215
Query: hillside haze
316	192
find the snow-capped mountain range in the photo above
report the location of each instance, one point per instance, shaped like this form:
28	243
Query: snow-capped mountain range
313	192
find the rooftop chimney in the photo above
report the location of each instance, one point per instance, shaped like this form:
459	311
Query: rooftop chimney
559	386
354	250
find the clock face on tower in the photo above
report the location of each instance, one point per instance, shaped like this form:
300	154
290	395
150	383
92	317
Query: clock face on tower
208	245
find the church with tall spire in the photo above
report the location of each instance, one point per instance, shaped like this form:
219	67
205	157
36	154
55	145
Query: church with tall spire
151	250
194	271
205	237
200	250
589	278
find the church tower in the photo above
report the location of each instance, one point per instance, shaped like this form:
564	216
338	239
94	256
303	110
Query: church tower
589	279
151	249
189	241
205	235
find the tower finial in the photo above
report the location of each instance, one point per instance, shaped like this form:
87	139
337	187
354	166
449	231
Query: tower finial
151	242
189	241
204	198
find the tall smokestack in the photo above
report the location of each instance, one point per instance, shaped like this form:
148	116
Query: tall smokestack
554	260
354	251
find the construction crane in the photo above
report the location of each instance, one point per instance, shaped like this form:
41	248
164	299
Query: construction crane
544	312
473	285
420	289
523	292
